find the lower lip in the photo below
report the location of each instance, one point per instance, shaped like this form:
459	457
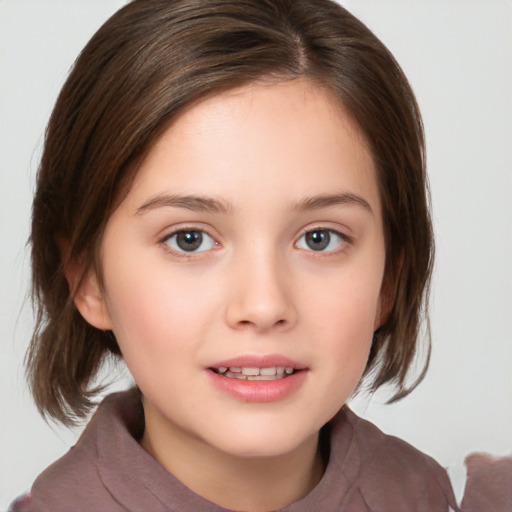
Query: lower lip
259	390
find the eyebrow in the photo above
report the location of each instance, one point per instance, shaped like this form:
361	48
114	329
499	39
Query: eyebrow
213	205
191	202
327	200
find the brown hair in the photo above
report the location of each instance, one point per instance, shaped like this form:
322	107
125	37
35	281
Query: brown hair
151	60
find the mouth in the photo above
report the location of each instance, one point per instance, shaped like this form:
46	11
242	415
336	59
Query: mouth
255	373
258	378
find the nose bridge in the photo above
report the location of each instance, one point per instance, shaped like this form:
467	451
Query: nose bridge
261	296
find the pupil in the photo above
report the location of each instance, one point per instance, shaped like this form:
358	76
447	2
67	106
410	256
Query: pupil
189	240
318	240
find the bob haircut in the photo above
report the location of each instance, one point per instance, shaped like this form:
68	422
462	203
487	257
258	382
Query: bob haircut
146	65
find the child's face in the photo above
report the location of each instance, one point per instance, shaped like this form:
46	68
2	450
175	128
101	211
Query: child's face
252	237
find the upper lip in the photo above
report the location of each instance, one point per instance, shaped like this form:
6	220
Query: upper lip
259	361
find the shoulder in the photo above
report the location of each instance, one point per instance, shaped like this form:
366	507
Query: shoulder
72	479
76	479
393	475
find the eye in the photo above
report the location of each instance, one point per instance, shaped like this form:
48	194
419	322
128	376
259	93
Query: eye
189	240
321	240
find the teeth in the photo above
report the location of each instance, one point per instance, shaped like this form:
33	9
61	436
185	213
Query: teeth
250	373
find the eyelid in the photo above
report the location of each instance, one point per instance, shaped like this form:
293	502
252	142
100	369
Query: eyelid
184	228
345	239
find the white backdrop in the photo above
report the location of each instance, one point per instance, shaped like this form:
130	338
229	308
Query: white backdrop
458	56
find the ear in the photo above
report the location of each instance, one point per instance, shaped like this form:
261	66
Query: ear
383	307
85	290
89	300
388	292
379	317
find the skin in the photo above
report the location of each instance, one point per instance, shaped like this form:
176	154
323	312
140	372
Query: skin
265	153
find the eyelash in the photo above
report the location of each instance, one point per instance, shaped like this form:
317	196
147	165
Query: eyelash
182	253
343	240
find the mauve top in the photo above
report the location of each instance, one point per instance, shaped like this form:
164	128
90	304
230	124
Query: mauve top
107	471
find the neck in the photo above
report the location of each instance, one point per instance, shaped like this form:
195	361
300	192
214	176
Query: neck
254	484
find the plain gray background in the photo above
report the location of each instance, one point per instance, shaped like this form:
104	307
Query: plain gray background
458	56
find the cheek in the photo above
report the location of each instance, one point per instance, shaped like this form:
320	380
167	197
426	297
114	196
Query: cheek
150	309
159	312
349	304
345	316
345	342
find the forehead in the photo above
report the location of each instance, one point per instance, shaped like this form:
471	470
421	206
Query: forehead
266	136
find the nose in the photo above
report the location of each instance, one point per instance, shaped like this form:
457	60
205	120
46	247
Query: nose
261	295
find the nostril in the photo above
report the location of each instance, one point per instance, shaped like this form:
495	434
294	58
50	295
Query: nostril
277	323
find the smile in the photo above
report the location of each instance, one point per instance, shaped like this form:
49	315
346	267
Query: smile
258	377
253	373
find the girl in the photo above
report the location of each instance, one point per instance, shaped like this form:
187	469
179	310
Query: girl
232	199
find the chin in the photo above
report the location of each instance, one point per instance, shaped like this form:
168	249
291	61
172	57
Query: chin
262	442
